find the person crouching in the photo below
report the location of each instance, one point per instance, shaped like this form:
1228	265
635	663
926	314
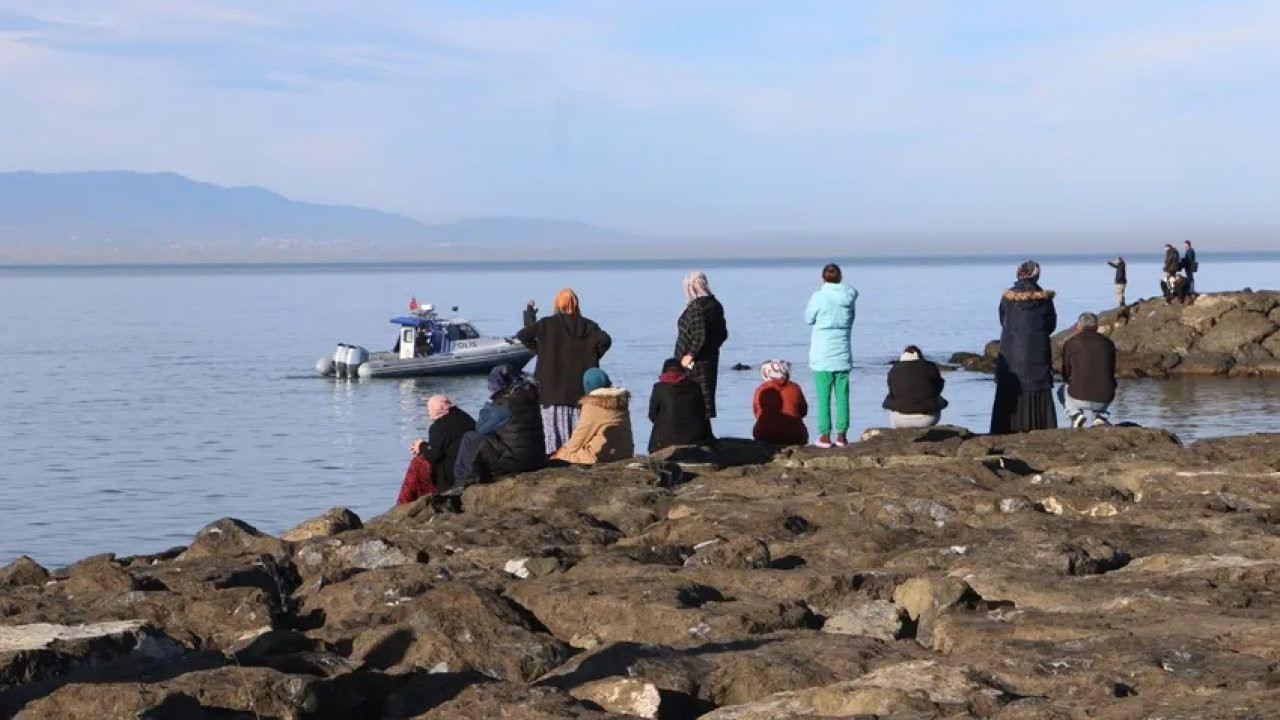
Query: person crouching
508	436
915	391
780	407
1088	373
678	410
603	432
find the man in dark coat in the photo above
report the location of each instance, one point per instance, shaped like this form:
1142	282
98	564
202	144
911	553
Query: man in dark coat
1172	262
1088	373
1190	267
677	410
1024	367
915	391
1122	279
449	424
700	332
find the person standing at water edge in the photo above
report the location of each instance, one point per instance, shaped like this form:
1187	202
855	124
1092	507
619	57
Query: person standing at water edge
1190	267
567	345
1122	280
831	312
700	332
1088	373
915	391
1024	368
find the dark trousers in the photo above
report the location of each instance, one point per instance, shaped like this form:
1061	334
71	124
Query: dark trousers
473	462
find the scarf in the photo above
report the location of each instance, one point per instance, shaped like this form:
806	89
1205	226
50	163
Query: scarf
502	378
566	302
672	377
775	370
695	286
908	356
438	406
1029	270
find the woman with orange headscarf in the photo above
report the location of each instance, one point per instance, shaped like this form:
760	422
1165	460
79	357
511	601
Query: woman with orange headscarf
567	345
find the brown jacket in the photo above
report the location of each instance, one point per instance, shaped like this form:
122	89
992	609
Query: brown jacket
603	433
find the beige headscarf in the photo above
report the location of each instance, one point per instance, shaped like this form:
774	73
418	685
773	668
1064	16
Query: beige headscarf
438	406
695	285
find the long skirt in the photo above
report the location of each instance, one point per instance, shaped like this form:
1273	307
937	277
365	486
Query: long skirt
706	373
1015	412
558	422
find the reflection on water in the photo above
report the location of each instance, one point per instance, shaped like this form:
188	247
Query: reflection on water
1195	408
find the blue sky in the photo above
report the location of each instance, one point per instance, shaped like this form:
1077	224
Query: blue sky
968	121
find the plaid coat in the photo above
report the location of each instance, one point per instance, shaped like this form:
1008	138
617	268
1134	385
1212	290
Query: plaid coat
700	332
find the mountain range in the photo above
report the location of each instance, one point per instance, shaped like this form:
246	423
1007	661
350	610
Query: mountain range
119	215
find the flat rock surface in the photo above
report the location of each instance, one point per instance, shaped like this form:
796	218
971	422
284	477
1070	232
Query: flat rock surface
1102	573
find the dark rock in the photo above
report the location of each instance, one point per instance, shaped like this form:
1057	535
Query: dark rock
229	537
23	571
330	522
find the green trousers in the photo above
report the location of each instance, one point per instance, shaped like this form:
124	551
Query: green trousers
827	383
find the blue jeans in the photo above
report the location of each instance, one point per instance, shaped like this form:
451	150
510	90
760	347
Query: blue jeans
1076	407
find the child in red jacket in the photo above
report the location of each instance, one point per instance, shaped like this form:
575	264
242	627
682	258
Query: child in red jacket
780	407
417	479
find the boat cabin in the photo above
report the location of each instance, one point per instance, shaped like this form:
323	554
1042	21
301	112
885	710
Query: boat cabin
424	334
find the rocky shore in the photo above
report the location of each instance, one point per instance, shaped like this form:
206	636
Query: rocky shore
1108	573
1233	334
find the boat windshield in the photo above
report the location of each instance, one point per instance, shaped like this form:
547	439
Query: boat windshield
462	331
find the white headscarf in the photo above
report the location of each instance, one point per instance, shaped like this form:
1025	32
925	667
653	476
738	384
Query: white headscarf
695	285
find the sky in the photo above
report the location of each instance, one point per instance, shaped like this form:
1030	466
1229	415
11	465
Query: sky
969	121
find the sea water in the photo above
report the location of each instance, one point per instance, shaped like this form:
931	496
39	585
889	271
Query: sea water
140	403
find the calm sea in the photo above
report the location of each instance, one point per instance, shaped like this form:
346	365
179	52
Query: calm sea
141	402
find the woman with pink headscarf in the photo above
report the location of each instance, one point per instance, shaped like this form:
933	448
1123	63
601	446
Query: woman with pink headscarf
448	424
700	332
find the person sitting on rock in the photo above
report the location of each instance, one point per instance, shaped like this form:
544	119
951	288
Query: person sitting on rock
1088	373
508	436
915	391
448	426
603	433
780	407
417	479
1175	288
678	410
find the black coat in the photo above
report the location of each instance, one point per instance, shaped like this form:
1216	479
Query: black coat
1121	277
700	332
567	347
518	445
1027	321
1172	263
443	440
1189	263
915	388
679	416
1089	366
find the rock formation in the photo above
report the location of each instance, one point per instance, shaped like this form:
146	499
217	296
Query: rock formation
1107	573
1235	334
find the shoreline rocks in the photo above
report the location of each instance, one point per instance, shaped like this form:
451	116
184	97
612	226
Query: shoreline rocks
1229	334
1111	572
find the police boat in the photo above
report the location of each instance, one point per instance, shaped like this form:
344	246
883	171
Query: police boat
427	345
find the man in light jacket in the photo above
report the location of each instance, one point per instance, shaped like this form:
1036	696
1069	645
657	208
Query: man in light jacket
831	312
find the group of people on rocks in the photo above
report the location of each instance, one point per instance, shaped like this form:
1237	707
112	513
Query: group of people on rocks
1177	278
572	412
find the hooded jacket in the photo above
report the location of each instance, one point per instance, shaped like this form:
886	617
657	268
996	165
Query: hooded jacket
444	438
1089	366
567	346
517	444
603	432
1027	320
831	313
780	408
915	388
678	413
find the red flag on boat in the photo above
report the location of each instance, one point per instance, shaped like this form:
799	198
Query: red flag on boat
413	304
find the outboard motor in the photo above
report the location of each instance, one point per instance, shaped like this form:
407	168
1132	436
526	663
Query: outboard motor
340	360
356	356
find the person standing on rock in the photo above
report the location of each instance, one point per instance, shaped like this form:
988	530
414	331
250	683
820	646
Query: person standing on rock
779	406
444	438
700	331
1122	279
678	410
915	391
1024	366
604	430
1190	267
831	313
1088	373
567	345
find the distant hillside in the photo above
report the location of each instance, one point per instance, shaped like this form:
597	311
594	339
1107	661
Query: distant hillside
95	215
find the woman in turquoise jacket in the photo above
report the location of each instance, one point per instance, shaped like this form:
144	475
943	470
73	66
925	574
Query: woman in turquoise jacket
830	312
